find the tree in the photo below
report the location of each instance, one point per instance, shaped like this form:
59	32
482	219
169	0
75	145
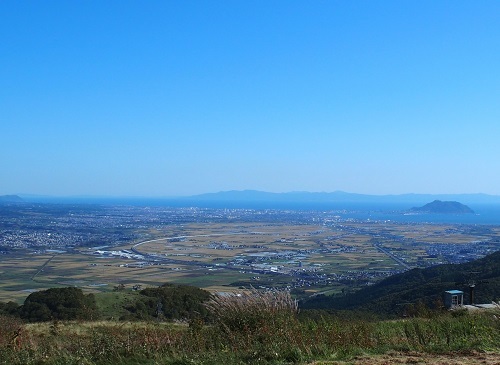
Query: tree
9	309
171	302
59	304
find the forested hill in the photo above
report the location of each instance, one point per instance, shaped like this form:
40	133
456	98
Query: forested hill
426	285
444	207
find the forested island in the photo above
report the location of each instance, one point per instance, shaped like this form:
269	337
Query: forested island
444	207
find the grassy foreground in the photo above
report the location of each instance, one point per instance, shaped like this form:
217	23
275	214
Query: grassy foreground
249	329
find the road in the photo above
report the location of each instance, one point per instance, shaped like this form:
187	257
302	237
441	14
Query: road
391	255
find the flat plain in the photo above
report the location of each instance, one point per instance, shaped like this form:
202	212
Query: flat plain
99	248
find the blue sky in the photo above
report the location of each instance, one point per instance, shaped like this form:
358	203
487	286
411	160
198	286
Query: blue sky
167	98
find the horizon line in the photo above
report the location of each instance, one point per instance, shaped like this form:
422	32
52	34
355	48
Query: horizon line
138	196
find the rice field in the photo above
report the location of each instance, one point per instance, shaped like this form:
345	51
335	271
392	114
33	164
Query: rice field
223	256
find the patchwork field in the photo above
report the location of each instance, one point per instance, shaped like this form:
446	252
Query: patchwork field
324	257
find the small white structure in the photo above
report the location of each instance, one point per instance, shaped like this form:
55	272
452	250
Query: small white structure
453	299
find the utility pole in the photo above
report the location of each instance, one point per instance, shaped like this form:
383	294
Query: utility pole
471	283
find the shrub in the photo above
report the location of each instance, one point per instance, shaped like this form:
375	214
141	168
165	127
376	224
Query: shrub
171	302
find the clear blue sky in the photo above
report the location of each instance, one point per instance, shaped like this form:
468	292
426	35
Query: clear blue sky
166	98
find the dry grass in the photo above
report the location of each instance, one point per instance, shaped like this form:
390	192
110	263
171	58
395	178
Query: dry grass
257	328
274	302
252	310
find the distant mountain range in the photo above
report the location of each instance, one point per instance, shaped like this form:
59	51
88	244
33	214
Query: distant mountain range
339	197
10	199
252	198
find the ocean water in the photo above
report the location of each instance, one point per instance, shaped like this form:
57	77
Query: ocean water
398	212
488	214
484	214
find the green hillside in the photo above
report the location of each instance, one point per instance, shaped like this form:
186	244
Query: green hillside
390	296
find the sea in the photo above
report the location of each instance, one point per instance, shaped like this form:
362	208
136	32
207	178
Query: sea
488	214
484	214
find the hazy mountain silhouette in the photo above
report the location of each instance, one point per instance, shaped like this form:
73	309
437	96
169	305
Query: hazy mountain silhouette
10	199
339	197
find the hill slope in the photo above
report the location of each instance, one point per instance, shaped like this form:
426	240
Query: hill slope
426	285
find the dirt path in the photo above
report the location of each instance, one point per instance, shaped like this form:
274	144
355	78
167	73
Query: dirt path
420	359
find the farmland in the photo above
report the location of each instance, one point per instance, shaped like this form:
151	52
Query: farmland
100	247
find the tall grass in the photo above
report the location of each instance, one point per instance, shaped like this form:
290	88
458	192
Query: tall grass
10	330
251	328
252	310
